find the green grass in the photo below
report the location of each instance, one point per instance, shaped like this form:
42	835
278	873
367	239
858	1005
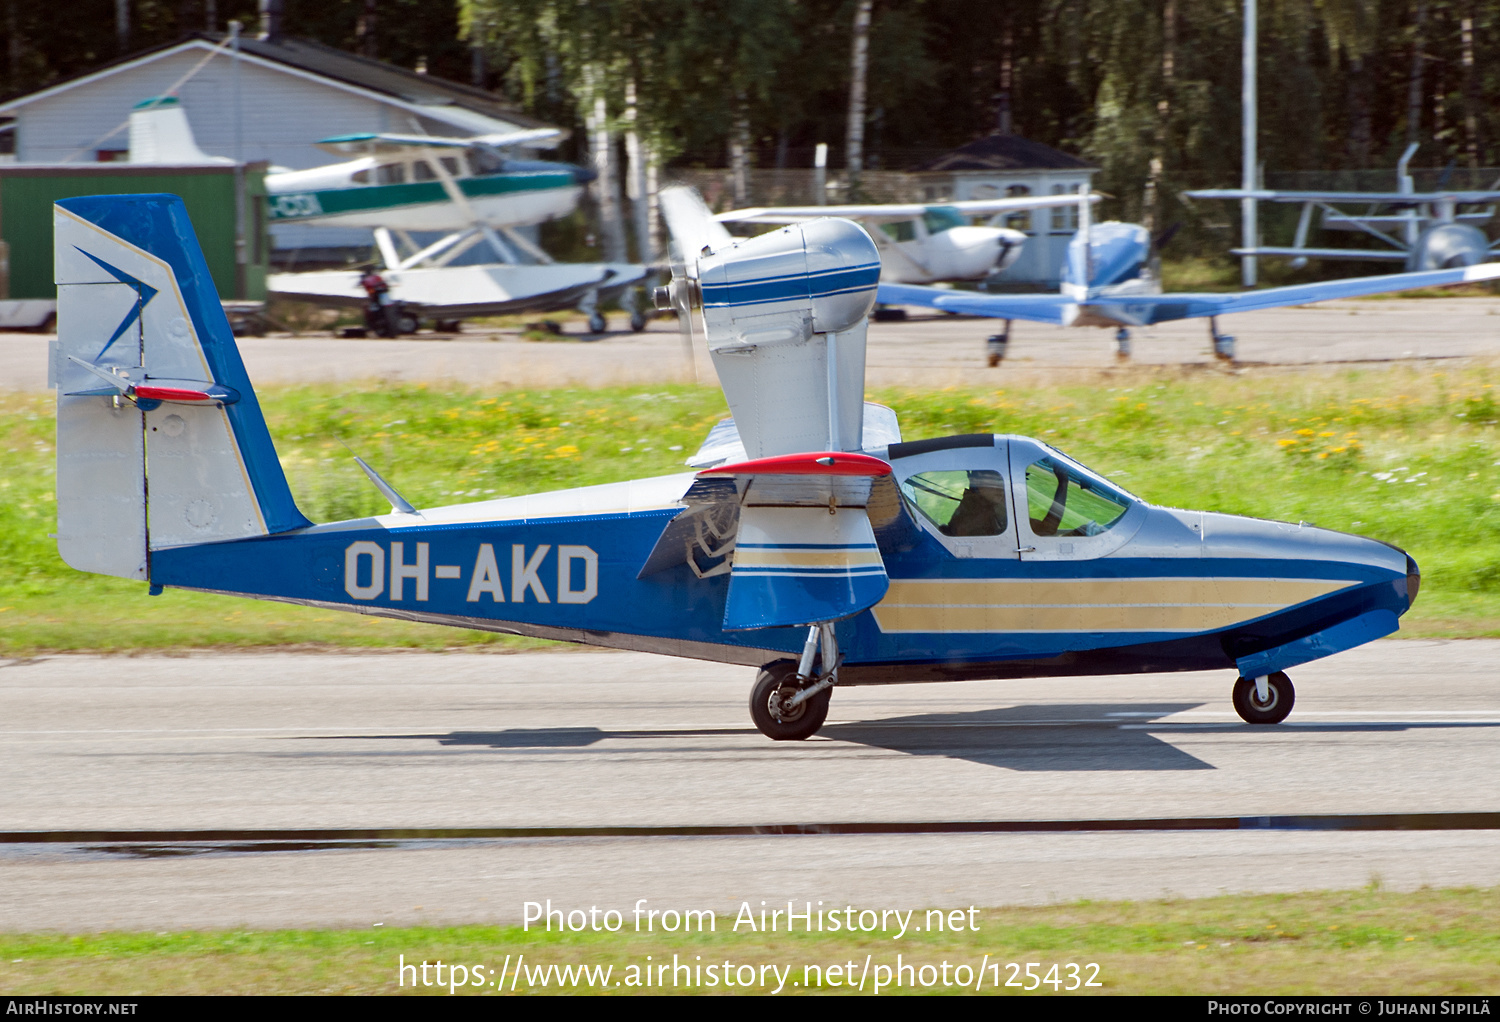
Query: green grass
1352	942
1404	455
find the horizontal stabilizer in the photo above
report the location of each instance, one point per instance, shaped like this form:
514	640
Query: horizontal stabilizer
800	565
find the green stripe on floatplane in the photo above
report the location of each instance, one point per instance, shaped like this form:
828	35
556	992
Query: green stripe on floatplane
366	198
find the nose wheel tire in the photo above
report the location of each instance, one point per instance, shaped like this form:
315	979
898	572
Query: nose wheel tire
776	683
1273	710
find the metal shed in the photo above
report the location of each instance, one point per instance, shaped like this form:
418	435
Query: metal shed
27	193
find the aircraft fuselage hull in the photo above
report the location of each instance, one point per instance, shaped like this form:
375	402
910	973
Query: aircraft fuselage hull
945	618
511	199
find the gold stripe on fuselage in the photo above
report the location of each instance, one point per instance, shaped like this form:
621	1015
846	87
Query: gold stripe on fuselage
1089	605
783	558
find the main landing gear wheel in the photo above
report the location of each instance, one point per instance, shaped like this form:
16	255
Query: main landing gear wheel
773	686
597	323
1273	709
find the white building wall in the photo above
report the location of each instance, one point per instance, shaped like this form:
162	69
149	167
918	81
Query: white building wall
283	113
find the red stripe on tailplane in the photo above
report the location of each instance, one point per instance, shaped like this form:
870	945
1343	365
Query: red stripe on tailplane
150	393
826	463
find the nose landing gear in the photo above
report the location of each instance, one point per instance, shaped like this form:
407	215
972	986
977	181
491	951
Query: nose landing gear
996	345
1122	345
1223	344
1264	700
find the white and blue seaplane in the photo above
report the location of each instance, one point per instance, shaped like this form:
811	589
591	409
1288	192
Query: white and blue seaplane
809	540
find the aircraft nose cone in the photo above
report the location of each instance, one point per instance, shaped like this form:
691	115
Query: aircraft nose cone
583	175
1413	580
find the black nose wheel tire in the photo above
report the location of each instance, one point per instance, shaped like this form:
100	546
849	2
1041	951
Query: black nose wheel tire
1279	699
773	686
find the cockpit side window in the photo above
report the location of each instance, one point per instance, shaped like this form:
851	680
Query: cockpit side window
483	161
900	230
1063	502
960	502
391	174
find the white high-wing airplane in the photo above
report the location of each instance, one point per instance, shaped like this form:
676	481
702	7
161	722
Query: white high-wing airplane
468	187
925	243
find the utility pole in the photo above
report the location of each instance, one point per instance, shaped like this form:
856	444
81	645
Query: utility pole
239	170
858	60
122	25
1248	231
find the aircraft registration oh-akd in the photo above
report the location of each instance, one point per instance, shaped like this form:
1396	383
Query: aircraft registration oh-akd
1108	281
809	539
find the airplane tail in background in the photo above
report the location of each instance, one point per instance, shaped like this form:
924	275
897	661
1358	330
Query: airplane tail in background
160	441
160	133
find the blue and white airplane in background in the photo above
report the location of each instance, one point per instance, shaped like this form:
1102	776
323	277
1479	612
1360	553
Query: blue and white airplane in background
809	538
1108	281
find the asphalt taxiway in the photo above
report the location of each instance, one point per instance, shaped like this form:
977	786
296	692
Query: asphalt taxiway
386	754
925	351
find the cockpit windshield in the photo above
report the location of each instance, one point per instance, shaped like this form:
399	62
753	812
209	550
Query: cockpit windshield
1065	499
938	219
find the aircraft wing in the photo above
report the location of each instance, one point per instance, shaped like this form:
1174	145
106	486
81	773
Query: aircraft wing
1056	309
1276	195
1143	310
1146	309
896	210
381	141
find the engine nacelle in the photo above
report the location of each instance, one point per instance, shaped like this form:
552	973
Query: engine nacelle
817	277
785	315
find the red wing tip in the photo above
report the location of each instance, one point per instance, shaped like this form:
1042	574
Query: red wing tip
820	463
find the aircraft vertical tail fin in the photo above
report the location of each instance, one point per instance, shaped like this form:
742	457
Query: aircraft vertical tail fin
160	440
160	133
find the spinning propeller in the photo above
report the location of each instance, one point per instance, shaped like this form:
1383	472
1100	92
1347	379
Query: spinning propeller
695	233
